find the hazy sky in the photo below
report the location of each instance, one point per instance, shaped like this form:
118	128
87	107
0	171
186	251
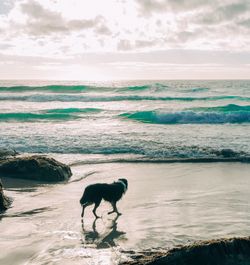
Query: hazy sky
124	39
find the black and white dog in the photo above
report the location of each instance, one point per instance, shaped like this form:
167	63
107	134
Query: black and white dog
93	194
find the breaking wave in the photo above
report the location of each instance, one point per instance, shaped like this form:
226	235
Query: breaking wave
51	88
22	116
51	114
74	110
190	117
227	108
81	98
84	88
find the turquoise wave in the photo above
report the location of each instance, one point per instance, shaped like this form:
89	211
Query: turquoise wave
83	88
22	116
80	98
155	87
227	108
74	110
188	117
197	89
77	88
51	88
51	114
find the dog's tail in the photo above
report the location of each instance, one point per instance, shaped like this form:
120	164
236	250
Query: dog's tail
84	198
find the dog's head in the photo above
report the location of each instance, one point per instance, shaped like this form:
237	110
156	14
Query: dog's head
125	182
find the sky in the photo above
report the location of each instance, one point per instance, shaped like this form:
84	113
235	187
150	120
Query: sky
124	39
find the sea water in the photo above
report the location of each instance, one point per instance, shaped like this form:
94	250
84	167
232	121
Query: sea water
154	120
103	130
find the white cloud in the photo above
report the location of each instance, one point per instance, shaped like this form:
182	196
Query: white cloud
158	31
122	26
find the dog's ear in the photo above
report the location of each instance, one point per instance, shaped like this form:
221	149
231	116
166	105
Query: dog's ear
125	182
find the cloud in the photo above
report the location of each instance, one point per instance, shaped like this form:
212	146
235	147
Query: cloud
144	43
148	7
245	23
42	21
63	28
103	30
31	17
225	13
124	45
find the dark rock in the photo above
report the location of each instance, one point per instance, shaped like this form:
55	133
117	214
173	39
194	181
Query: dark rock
35	167
5	201
233	251
7	152
228	153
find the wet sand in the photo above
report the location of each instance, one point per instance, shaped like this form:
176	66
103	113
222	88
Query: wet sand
166	205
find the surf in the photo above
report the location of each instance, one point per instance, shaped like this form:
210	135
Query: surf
189	117
49	115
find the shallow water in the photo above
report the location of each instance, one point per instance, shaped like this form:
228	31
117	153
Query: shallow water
166	205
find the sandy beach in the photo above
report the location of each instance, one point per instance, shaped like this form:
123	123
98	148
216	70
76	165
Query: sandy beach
166	205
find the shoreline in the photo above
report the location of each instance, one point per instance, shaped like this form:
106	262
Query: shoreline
166	205
167	161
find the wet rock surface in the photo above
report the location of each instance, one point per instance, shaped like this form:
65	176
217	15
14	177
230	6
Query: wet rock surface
40	168
233	251
5	152
5	201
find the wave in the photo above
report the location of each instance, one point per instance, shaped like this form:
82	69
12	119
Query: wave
84	88
80	98
79	88
74	110
227	108
134	88
51	114
123	152
22	116
160	161
197	89
189	117
51	88
155	87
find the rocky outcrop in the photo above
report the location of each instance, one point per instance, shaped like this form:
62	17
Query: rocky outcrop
5	202
233	251
4	152
40	168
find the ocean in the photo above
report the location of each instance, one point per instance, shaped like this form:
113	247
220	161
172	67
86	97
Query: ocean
140	130
150	120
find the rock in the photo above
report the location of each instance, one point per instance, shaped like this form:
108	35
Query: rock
35	167
5	202
232	251
7	152
228	153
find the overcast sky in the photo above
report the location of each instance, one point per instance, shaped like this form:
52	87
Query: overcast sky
124	39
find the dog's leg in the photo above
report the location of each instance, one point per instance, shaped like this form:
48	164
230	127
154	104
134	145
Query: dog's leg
114	209
84	206
94	210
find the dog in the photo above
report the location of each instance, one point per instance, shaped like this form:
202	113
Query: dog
93	194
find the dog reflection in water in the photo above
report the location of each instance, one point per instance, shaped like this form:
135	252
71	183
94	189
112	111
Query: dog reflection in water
93	194
102	240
